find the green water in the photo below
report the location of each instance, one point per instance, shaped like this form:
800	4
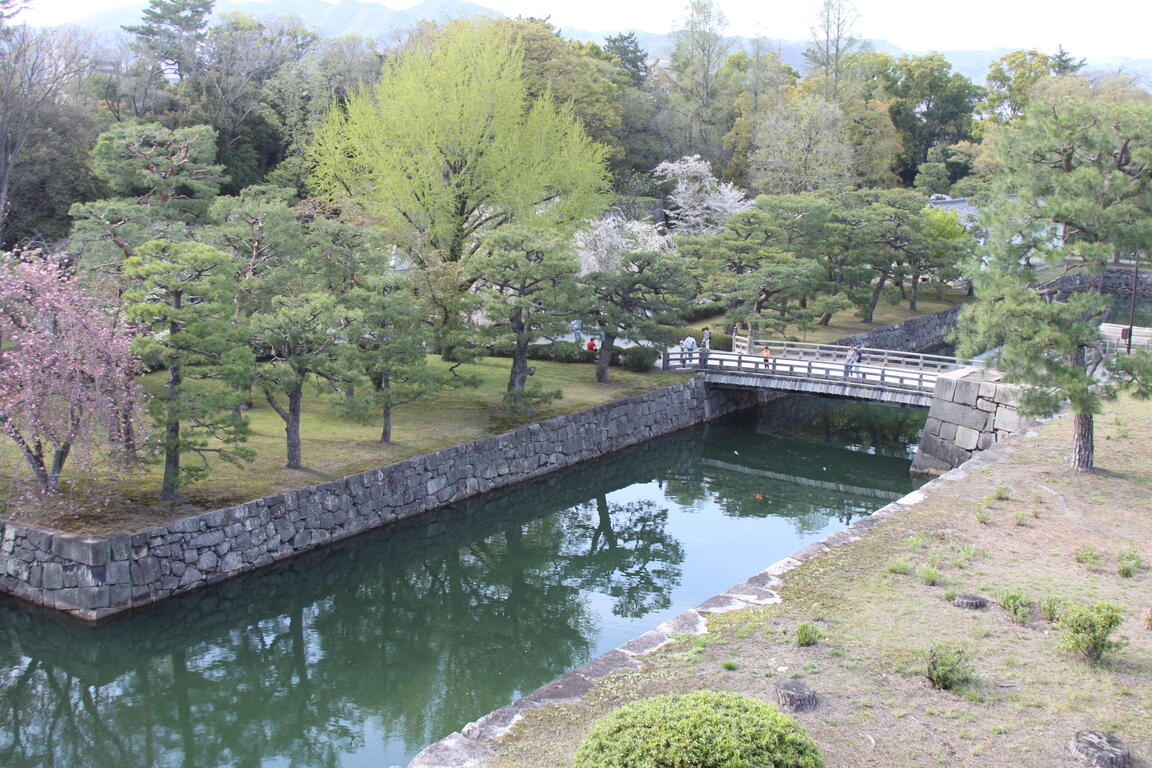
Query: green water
365	652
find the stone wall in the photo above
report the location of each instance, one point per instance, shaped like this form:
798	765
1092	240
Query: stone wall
914	335
1113	280
971	411
92	577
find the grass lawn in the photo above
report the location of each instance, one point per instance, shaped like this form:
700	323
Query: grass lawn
881	602
333	446
846	323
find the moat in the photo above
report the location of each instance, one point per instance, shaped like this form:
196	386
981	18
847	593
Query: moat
363	653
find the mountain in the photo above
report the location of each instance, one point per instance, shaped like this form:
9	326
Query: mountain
369	19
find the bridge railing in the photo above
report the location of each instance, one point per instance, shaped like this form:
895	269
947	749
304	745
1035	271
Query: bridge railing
836	353
859	374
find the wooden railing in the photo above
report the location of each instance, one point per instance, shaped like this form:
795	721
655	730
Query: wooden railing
836	353
865	373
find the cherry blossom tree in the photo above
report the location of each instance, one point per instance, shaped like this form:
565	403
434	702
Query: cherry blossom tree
700	203
65	368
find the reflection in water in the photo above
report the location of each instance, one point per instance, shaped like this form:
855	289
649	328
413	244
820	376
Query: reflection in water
363	653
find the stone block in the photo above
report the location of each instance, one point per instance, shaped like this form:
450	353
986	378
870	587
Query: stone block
1007	419
962	415
945	387
983	404
987	439
967	438
966	392
88	550
947	431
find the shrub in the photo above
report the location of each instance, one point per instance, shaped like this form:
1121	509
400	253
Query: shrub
1017	604
639	359
706	729
1050	608
1086	555
1085	629
930	575
702	310
807	634
947	667
900	566
1128	563
982	515
1001	493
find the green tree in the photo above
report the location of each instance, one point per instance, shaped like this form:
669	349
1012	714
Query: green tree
1080	164
172	31
1010	80
526	278
700	97
803	146
630	57
930	105
180	295
446	147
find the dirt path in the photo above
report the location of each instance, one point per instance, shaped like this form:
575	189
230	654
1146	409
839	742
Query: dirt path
1057	535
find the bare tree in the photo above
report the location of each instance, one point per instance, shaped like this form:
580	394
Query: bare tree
36	69
832	44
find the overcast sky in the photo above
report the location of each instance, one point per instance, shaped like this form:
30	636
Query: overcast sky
1098	28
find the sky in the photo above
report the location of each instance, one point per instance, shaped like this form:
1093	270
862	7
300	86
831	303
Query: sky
1101	29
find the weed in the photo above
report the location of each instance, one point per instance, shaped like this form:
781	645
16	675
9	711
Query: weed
1085	629
949	595
1050	608
729	665
967	553
1001	493
1022	518
1039	498
1148	619
836	652
1017	604
1128	563
947	667
916	541
982	515
930	575
899	566
1087	555
999	730
807	634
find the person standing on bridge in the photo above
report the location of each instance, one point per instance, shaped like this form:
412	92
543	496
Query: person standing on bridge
852	361
706	339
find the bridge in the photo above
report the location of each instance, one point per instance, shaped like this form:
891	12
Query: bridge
882	375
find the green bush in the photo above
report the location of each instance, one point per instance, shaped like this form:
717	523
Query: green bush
1085	628
807	634
1087	555
703	310
706	729
1129	563
1017	604
639	359
947	667
1050	608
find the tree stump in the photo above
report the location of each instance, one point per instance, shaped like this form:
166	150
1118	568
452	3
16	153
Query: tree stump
795	696
970	601
1101	750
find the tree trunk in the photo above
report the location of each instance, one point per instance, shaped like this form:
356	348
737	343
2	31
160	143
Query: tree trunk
292	424
1083	446
520	372
877	292
914	292
170	486
605	358
382	385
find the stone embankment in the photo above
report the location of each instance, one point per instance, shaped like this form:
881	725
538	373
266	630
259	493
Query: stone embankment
93	577
971	411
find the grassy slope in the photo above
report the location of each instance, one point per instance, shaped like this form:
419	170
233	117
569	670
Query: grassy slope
1028	698
334	446
847	324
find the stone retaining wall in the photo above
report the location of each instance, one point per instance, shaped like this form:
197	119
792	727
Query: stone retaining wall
1113	280
914	335
92	577
971	411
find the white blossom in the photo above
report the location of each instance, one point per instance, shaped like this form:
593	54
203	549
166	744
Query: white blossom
701	203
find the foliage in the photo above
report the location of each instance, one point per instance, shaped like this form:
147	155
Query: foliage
180	295
807	634
1086	629
700	203
947	667
1018	605
1086	554
639	359
705	729
930	575
448	147
1129	563
65	369
803	146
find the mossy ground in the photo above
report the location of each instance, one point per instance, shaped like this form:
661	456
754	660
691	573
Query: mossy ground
1028	697
333	446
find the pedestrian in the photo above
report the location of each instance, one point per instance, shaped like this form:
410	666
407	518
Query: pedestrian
688	347
577	327
706	340
852	361
591	345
